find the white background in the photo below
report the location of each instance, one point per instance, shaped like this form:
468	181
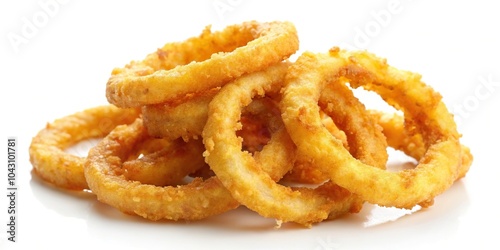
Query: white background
64	60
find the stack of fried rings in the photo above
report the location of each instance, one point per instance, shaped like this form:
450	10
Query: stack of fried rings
229	111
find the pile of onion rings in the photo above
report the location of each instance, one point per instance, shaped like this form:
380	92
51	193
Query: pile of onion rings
224	119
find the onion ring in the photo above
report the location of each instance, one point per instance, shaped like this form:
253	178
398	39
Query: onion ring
398	137
247	47
167	166
185	119
250	185
254	131
194	201
412	145
63	169
424	111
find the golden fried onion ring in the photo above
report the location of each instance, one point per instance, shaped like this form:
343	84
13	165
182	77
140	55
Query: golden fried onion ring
167	166
195	65
424	113
63	169
173	120
399	138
